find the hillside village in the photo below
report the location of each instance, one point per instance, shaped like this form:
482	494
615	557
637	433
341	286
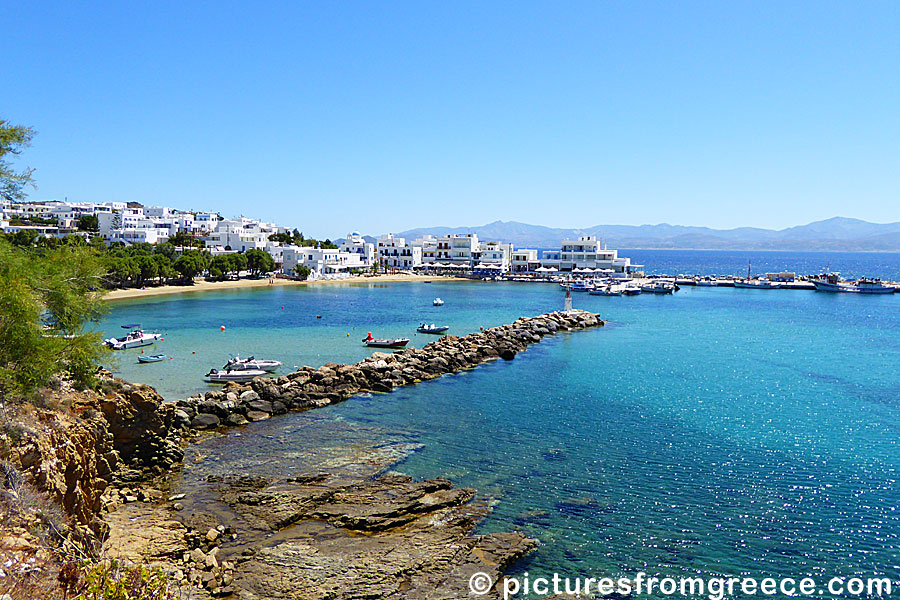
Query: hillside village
127	224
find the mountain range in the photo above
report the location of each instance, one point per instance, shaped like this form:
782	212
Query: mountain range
838	233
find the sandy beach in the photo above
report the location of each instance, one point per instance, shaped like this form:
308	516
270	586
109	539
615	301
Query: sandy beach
208	286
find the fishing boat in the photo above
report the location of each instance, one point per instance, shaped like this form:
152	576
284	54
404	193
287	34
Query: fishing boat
241	376
706	282
607	291
631	290
152	358
237	363
756	284
135	339
658	287
831	282
372	342
437	302
436	329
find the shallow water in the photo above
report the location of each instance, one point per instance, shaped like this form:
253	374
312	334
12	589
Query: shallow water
718	430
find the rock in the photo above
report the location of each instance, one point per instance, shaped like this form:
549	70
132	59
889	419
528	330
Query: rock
255	415
205	421
174	497
249	396
212	535
235	420
260	406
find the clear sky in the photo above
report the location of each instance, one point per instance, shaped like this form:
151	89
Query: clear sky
382	116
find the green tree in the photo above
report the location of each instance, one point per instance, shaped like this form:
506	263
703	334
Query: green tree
88	223
183	239
14	139
164	268
148	268
190	264
46	298
259	262
301	272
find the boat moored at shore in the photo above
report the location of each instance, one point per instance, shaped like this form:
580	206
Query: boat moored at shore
831	282
373	342
237	363
136	338
236	376
434	329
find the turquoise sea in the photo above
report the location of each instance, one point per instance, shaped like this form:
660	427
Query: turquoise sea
716	431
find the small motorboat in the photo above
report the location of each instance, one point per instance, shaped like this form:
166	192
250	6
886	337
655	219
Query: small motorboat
242	376
606	291
659	287
631	290
437	302
152	358
135	339
437	329
243	364
372	342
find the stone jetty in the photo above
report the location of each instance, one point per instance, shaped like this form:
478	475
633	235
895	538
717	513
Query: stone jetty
309	388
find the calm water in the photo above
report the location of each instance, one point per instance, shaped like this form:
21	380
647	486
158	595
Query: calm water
719	431
885	265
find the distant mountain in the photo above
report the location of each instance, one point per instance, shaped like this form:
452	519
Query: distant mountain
838	233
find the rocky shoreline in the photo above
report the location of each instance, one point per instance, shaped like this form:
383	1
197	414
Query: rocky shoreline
355	530
382	372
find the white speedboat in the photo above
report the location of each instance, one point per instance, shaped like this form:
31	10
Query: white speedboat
757	284
659	287
136	338
425	328
237	363
241	376
832	283
607	291
437	302
706	282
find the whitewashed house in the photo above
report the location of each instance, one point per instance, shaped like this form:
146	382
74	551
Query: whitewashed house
356	244
587	252
395	253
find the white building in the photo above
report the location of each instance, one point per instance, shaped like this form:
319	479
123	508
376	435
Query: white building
493	254
524	261
356	244
242	234
457	249
322	262
429	245
395	253
587	252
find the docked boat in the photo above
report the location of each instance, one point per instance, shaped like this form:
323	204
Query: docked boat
658	287
152	358
136	338
706	282
756	284
437	302
631	290
831	282
372	342
578	286
607	291
436	329
237	363
227	375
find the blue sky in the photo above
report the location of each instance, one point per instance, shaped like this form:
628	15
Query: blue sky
385	116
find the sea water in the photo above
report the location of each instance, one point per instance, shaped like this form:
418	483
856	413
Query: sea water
714	431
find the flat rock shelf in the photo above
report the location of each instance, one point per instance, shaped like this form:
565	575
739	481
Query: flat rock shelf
307	387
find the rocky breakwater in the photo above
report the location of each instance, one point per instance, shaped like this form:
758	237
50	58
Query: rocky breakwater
382	372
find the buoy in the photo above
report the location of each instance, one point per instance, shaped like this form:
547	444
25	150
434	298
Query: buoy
171	358
282	308
222	328
142	351
348	335
193	352
318	316
481	328
162	339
